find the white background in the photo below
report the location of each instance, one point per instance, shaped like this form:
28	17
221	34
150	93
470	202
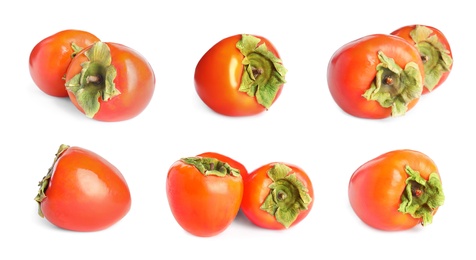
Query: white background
304	127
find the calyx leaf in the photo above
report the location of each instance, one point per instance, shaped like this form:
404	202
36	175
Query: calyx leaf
436	57
288	196
95	81
421	197
212	166
43	184
393	86
263	74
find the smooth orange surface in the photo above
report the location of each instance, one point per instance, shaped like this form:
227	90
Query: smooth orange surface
202	205
85	192
51	57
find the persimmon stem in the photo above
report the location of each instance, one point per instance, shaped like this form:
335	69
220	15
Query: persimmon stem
417	189
418	192
257	72
388	81
93	79
425	58
282	196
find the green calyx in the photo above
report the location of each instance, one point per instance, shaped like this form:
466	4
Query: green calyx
212	166
43	184
436	58
95	81
288	196
421	197
394	86
264	73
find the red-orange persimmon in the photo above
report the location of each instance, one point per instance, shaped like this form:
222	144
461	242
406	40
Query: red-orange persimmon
376	76
204	194
277	196
396	190
83	191
241	75
50	58
435	52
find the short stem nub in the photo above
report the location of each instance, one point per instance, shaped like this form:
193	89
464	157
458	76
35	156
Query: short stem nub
425	58
282	196
94	79
257	72
388	80
418	193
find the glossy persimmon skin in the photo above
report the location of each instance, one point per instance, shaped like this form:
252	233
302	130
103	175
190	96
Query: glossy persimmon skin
202	205
50	58
85	193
